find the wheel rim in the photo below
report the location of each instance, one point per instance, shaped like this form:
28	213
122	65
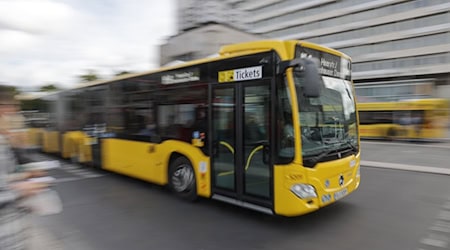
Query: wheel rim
182	178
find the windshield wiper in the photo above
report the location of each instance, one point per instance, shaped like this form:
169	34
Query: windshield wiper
351	145
311	161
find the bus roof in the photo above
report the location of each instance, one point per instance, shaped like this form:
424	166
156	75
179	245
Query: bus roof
284	48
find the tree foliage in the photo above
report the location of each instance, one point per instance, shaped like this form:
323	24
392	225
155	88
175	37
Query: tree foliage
49	88
90	76
124	72
8	88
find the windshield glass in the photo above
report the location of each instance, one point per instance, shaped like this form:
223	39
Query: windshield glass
327	123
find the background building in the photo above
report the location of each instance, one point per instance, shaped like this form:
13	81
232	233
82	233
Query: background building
201	42
194	13
203	27
400	48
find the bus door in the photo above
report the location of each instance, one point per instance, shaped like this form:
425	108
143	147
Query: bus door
240	143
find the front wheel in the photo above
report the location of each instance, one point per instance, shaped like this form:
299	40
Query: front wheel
182	178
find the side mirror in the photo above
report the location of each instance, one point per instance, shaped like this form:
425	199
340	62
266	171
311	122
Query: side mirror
309	71
306	68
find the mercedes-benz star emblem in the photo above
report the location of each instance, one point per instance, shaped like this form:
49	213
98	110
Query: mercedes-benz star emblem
341	180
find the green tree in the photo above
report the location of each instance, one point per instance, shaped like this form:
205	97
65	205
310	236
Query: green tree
9	88
90	76
49	88
124	72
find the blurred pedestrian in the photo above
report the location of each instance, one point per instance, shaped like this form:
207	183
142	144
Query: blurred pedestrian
14	187
17	135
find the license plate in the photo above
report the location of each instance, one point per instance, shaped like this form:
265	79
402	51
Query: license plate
339	194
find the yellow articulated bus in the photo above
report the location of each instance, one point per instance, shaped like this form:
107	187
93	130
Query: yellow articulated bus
268	125
422	119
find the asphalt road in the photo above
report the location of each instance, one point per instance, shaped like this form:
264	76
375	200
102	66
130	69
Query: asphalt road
393	209
421	154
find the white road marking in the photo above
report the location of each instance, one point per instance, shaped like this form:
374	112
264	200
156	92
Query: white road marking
406	167
424	144
67	179
438	237
434	242
444	215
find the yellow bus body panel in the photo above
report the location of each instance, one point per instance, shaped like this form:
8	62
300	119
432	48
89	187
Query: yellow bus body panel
285	49
50	142
325	179
150	161
70	143
377	130
34	136
85	148
436	119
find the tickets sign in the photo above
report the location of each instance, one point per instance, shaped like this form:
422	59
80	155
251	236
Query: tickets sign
243	74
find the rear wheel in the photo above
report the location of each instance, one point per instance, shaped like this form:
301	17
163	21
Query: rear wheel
182	178
391	134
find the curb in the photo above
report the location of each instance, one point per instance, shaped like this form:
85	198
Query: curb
405	167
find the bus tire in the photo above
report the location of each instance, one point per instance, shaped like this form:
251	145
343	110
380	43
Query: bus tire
391	134
182	179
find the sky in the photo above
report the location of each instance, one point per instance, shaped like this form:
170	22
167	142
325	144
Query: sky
55	41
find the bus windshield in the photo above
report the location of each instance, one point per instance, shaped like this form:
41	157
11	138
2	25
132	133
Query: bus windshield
328	123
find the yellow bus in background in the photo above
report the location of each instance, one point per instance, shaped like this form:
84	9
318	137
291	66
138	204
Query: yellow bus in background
407	119
268	125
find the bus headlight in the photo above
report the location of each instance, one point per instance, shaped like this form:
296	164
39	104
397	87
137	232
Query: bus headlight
304	191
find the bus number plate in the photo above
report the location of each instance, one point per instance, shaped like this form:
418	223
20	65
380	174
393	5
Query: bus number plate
340	194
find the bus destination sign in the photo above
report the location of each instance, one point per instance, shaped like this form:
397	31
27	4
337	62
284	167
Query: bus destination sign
190	75
329	64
